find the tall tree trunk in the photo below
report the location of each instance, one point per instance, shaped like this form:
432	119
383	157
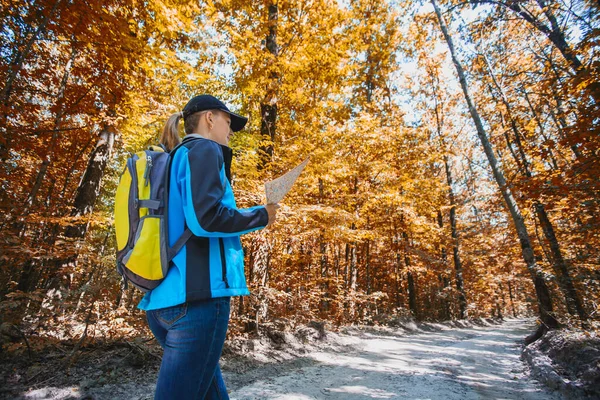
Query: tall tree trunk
353	281
337	255
397	273
324	266
439	119
89	187
410	280
262	274
559	264
268	120
368	265
71	170
542	293
346	269
412	295
458	269
443	280
268	107
512	299
445	301
323	258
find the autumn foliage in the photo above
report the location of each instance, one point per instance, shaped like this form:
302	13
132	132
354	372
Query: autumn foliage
398	212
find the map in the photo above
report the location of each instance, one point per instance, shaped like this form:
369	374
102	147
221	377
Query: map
278	188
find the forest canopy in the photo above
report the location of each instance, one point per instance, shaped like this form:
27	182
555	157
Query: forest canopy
454	153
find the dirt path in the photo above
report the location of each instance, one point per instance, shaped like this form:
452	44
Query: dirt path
454	364
439	362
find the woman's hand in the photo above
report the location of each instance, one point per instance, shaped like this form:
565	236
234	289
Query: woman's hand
272	211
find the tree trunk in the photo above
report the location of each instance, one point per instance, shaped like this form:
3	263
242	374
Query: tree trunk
543	294
561	268
444	305
443	280
353	281
89	187
412	293
71	170
337	254
458	269
346	269
324	266
268	108
324	306
268	119
512	300
397	273
368	265
439	117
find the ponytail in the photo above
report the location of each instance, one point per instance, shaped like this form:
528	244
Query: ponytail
170	134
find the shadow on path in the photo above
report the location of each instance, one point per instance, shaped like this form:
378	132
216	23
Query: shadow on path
454	364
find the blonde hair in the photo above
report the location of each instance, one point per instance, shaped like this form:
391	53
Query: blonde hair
170	134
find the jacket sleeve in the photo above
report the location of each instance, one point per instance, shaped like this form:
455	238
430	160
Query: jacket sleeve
204	191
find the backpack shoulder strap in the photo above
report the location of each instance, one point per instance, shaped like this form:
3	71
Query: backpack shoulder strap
179	243
187	233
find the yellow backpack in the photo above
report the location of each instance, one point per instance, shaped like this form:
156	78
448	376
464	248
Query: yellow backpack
143	253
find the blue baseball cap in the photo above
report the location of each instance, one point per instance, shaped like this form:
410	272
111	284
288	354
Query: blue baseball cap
205	102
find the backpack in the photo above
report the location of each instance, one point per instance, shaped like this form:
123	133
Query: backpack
141	203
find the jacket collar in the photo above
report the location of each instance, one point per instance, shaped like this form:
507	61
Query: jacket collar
226	150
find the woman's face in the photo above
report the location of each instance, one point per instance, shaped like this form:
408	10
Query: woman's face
221	130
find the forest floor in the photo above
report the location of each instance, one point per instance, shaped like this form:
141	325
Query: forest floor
459	360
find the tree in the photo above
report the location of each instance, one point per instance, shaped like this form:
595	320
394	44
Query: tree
553	30
543	294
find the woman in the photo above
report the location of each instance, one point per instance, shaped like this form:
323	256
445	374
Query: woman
188	312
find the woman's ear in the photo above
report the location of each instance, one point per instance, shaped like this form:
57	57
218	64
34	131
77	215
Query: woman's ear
210	119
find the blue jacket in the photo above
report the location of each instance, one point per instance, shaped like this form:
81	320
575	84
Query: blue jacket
211	264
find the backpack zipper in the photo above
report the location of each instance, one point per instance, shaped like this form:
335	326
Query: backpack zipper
223	262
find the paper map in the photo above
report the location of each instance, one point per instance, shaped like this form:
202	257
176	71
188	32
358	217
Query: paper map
278	188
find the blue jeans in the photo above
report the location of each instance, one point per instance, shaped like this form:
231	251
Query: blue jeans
192	337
